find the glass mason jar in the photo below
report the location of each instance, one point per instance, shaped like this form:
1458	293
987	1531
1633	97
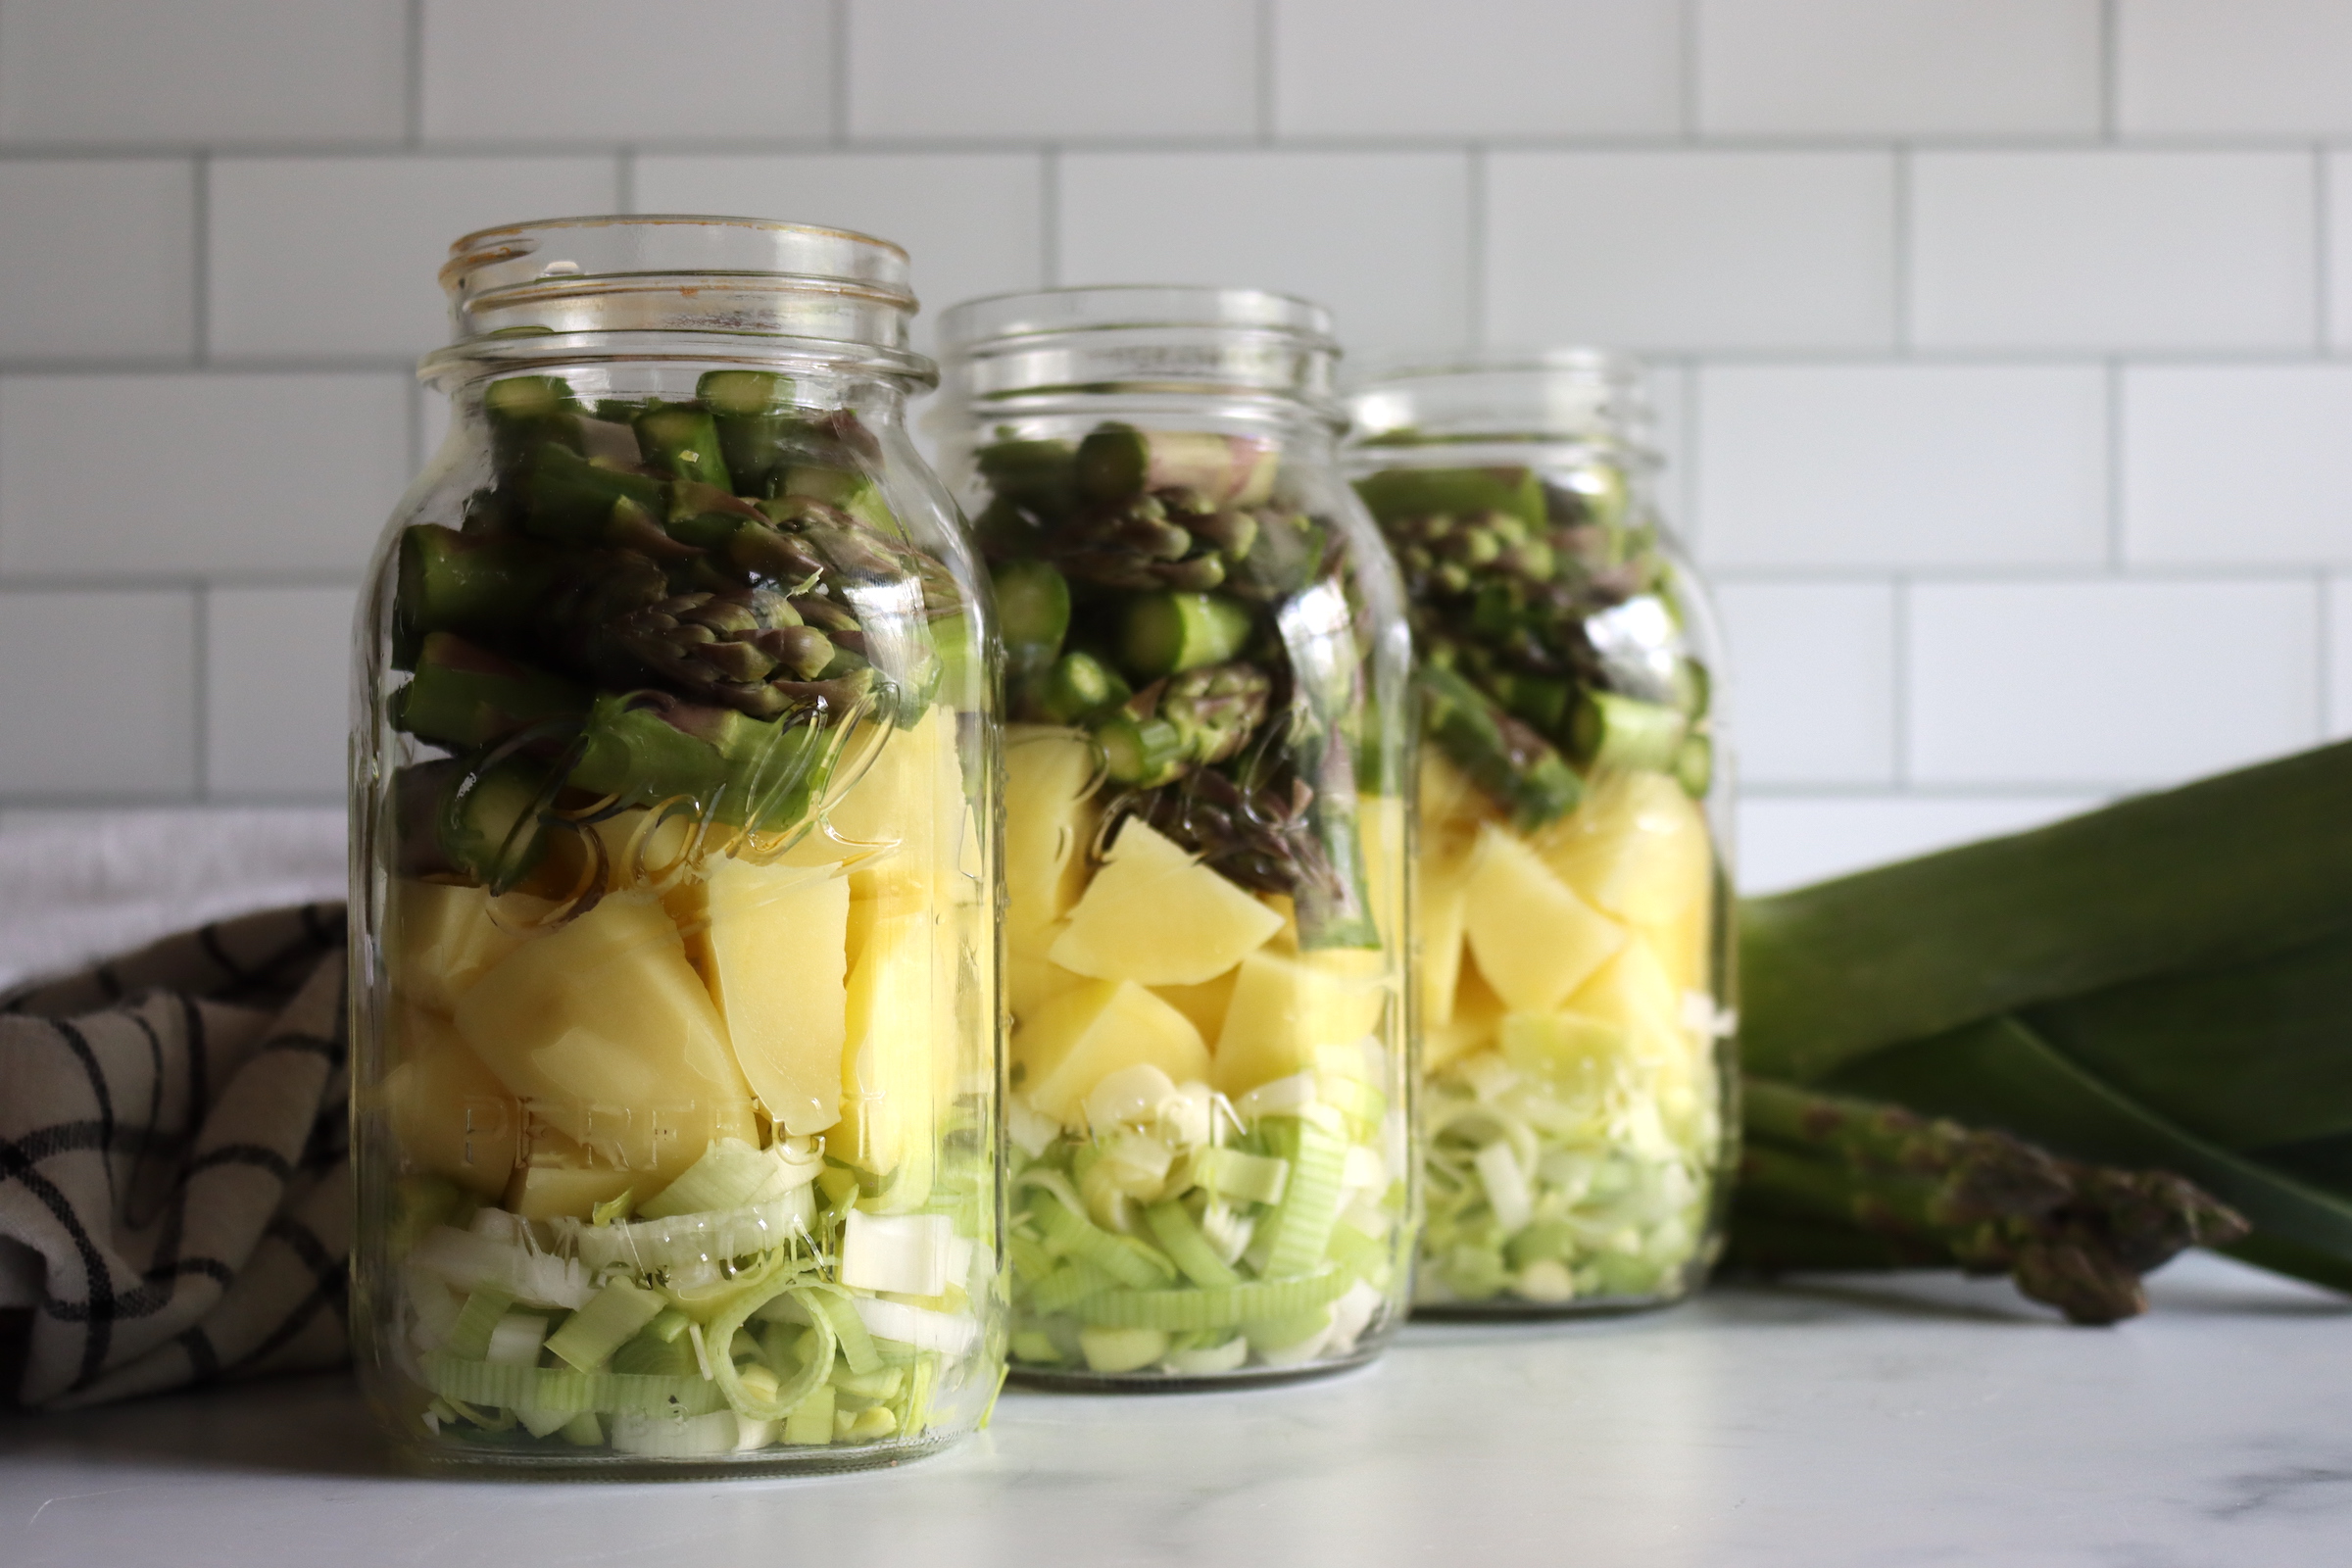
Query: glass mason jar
1577	1069
673	970
1207	836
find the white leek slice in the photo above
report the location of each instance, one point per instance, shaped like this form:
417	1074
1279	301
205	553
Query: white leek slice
1280	1097
1505	1184
1201	1363
515	1339
732	1175
703	1238
663	1436
466	1260
906	1255
949	1333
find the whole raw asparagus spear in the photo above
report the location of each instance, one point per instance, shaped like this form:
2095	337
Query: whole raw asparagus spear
1819	1169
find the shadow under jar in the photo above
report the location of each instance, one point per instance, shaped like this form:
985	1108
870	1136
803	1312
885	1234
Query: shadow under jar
673	974
1208	780
1577	1069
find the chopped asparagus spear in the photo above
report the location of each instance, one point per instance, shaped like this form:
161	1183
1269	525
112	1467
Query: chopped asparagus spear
573	501
1396	494
1143	752
751	410
1694	766
1504	758
845	488
527	412
477	584
1079	684
1612	730
1116	462
1033	607
1034	474
1215	709
489	822
684	439
463	696
1166	633
1543	701
738	769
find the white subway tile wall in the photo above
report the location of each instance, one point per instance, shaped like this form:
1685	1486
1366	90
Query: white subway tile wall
1999	342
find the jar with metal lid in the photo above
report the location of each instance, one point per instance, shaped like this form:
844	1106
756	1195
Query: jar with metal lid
1577	1072
674	969
1207	836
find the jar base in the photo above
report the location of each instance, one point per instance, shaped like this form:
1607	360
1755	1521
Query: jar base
491	1464
1052	1380
1511	1311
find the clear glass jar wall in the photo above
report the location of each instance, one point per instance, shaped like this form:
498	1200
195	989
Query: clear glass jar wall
1576	1062
1207	837
676	1023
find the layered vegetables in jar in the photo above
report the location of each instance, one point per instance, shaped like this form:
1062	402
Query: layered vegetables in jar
1573	1080
686	933
1210	1171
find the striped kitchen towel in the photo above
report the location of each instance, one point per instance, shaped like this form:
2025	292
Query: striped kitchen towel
175	1174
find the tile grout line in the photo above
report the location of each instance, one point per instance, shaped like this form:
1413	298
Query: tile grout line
837	111
2323	689
2322	325
200	320
1048	214
201	685
1264	41
412	90
1900	618
2109	21
1902	242
2112	396
1686	72
1474	245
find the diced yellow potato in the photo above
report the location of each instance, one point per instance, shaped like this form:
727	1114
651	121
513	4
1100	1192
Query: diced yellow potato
1637	847
562	1180
1534	940
890	1072
1155	916
1632	992
1442	901
1685	943
1083	1036
1049	818
1573	1051
1283	1009
1031	979
777	942
639	851
442	937
1477	1016
1203	1004
904	819
450	1114
605	1033
1452	809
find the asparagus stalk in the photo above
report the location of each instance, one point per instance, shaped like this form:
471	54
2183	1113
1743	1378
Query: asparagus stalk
1078	685
684	439
1163	635
481	585
1116	462
1501	756
1033	609
1610	730
751	411
2077	1237
1396	494
1036	477
463	696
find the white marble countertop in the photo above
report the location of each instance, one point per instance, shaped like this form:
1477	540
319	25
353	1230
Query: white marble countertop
1840	1421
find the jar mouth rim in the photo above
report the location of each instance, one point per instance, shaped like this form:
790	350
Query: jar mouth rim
467	359
976	326
1612	365
648	245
